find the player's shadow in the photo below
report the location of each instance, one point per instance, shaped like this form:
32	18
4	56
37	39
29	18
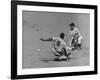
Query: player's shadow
55	60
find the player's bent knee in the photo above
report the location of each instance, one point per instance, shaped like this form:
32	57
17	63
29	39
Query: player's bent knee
55	53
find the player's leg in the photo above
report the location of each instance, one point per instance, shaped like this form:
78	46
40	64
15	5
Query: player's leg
66	53
59	55
55	52
62	55
80	41
72	41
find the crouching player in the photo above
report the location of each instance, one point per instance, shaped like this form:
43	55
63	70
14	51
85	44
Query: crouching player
59	47
76	40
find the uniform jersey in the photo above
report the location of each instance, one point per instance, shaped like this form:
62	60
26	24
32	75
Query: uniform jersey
62	43
75	32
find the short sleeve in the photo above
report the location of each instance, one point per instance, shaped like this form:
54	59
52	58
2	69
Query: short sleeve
77	32
54	38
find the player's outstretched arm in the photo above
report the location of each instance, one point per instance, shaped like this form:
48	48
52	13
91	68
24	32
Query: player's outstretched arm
49	39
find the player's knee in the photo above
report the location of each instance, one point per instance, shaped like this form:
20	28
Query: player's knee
55	52
80	40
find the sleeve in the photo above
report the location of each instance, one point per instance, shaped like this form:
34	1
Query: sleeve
54	38
77	32
70	32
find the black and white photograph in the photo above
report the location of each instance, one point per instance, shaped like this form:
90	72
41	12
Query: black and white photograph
53	39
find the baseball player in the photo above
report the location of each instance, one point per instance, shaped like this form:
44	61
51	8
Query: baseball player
76	40
59	46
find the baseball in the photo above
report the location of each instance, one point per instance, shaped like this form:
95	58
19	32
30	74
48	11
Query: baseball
38	50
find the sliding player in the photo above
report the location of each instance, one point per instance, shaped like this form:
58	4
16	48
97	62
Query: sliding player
59	47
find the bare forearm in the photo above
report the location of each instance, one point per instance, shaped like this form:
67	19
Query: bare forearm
49	39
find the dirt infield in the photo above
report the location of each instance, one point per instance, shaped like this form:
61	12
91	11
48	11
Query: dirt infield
42	60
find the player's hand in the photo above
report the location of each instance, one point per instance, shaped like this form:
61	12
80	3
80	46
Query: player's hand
41	39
